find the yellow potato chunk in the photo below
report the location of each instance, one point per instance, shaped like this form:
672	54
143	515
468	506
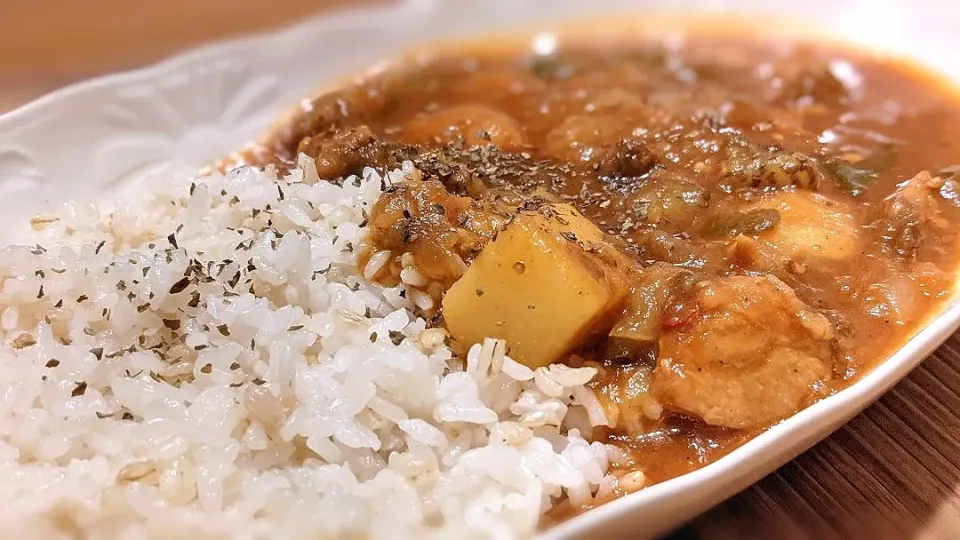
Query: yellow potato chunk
544	284
811	227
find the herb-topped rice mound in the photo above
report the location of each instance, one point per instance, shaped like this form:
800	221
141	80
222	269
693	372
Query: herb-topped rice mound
210	362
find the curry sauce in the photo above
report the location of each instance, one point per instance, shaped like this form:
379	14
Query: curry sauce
782	216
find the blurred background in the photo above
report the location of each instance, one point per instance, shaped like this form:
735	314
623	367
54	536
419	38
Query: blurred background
891	473
46	44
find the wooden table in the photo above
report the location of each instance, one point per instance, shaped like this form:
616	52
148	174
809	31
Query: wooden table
892	473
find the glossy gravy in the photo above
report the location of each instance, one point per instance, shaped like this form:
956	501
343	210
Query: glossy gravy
729	162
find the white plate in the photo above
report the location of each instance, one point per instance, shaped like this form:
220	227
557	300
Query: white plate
94	139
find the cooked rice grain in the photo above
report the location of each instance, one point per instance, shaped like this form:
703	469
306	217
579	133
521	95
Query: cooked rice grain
210	362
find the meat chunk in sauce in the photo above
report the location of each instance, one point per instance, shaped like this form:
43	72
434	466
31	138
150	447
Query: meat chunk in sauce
347	152
440	230
909	212
578	139
470	125
607	134
748	166
751	353
813	85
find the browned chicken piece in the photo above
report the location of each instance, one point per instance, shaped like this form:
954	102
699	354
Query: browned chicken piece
813	86
670	201
748	353
472	125
443	232
347	152
627	158
771	126
755	117
605	135
579	139
746	165
909	213
354	105
807	78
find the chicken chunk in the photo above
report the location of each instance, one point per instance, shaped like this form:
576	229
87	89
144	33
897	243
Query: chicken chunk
669	201
349	151
580	138
474	125
750	353
811	86
909	214
627	158
811	226
605	134
442	231
751	167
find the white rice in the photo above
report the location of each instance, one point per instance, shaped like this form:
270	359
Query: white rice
278	394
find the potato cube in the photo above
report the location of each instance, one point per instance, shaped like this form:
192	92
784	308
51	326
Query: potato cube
544	284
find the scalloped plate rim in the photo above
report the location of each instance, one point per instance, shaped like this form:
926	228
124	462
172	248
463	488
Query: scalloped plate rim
195	54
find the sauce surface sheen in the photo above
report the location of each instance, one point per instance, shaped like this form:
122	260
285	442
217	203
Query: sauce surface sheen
784	215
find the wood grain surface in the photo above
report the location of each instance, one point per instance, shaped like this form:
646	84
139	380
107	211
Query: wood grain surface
893	472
